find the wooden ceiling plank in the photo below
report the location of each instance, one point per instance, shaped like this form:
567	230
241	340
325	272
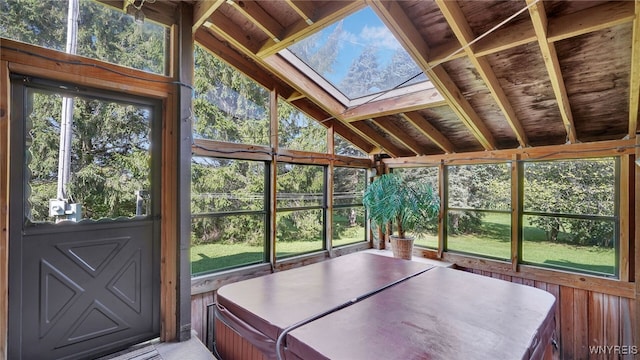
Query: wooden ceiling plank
230	32
438	76
446	52
390	127
409	102
458	23
539	18
592	19
505	38
420	123
256	14
333	11
378	139
202	10
634	83
304	9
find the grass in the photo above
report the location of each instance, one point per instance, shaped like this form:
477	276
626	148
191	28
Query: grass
493	241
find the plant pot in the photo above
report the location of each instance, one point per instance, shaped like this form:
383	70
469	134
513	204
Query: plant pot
402	248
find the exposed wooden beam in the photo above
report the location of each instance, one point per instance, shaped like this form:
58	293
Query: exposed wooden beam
634	83
458	23
390	127
582	22
4	205
242	63
429	131
327	14
382	141
407	102
295	96
505	38
229	31
256	14
400	24
539	19
592	19
303	8
202	10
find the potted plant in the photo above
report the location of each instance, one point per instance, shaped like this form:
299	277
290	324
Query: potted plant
393	204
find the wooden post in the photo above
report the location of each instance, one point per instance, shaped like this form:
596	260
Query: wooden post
442	186
175	272
625	191
635	234
4	206
273	120
516	211
329	192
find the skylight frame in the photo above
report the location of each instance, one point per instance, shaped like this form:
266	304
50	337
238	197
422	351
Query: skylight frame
343	99
332	89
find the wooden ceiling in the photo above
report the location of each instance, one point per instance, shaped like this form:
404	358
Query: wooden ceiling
557	72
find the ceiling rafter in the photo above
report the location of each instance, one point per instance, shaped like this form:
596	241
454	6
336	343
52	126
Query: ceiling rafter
540	23
399	23
304	9
326	15
202	10
426	129
634	83
378	139
254	13
229	31
390	126
458	23
582	22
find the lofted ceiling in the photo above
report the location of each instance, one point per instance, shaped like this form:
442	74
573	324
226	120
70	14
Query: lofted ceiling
508	74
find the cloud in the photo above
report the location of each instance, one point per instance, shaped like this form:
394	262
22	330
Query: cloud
379	36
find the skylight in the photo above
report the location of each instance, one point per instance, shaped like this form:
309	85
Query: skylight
356	57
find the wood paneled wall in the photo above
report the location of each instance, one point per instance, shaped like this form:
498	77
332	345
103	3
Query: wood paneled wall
586	319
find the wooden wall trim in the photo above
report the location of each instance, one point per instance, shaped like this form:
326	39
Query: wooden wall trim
572	280
4	206
636	236
554	152
31	60
626	167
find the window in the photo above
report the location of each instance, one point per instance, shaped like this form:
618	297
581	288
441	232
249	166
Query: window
478	210
229	215
103	33
108	171
301	208
427	175
297	131
348	211
345	148
570	215
228	106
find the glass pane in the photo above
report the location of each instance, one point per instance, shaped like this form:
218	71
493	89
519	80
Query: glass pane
219	185
345	148
226	241
299	232
359	56
348	185
297	131
228	106
103	33
348	226
427	175
480	186
480	233
571	187
299	185
107	173
574	244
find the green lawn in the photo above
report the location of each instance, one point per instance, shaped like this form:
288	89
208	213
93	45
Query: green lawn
493	241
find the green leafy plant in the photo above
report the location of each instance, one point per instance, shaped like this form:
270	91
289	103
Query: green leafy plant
390	200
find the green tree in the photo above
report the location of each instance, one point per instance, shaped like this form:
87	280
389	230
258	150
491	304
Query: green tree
363	76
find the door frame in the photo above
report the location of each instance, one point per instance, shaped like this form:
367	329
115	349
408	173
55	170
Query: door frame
21	86
50	64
